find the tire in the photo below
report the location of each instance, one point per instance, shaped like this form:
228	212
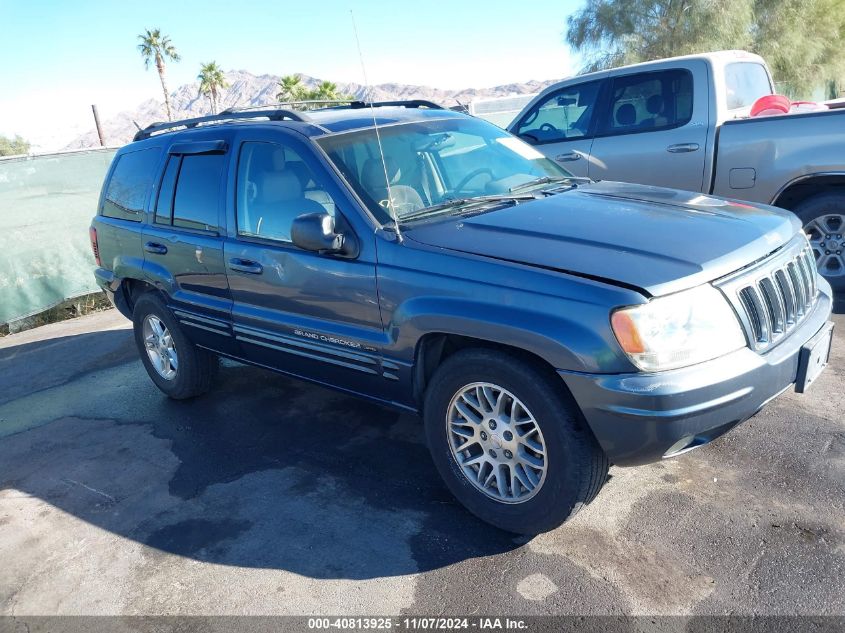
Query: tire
575	467
823	215
195	368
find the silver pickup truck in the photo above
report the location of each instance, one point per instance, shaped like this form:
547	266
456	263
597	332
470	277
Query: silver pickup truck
684	123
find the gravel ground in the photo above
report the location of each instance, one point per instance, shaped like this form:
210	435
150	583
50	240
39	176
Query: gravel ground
270	496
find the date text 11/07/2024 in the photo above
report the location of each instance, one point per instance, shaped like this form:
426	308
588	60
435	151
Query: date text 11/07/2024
419	623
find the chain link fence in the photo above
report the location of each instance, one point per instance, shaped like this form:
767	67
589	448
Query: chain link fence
46	206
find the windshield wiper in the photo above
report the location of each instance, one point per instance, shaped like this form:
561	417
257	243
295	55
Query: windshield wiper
463	202
545	180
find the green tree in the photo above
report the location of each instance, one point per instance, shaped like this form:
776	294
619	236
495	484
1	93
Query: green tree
156	48
327	91
292	90
13	146
212	83
614	32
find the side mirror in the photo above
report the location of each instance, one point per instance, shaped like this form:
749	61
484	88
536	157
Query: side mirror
316	232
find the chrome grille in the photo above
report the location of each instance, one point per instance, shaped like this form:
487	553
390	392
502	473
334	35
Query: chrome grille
774	296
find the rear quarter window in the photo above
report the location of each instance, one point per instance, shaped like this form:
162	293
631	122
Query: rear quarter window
130	181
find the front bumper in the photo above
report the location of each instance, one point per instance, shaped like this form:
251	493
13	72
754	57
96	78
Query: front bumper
640	418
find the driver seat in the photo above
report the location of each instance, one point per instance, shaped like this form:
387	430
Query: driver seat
405	198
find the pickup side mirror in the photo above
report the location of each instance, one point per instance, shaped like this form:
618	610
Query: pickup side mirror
316	232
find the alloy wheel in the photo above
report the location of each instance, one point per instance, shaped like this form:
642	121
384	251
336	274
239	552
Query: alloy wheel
160	347
496	442
827	238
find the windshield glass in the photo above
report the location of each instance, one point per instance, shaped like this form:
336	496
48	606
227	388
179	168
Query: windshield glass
429	163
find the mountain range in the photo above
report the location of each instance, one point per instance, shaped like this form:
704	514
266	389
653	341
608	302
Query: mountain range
248	90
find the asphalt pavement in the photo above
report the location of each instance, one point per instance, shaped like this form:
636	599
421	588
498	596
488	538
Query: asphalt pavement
271	496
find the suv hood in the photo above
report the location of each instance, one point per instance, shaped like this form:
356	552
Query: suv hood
656	240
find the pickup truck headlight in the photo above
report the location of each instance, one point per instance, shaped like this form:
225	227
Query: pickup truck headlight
678	330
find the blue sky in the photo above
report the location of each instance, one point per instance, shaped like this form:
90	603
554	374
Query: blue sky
59	57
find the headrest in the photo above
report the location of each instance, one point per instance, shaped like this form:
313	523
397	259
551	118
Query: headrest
301	171
372	176
654	104
280	186
626	114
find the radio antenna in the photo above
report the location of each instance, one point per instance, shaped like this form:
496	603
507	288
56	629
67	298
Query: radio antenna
390	206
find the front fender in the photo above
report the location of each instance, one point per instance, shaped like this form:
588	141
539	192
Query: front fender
576	340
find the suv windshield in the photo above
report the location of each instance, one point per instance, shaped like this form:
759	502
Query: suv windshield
429	163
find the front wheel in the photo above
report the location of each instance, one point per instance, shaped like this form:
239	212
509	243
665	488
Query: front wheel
177	367
510	443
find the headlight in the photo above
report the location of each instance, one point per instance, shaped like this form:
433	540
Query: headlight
678	330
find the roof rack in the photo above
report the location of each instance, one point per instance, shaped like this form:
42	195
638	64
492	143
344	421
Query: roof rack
354	104
406	103
278	114
227	115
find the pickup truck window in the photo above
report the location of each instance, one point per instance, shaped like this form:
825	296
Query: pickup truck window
647	102
190	190
745	82
274	187
563	115
130	181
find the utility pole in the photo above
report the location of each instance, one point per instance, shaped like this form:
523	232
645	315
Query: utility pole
97	123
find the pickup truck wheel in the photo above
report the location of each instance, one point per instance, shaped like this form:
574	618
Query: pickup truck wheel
510	443
177	367
823	216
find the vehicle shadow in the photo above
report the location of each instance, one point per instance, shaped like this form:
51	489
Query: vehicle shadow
265	471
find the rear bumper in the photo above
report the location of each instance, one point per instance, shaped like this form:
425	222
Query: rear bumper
111	286
640	418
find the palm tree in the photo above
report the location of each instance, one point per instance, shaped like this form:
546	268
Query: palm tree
291	89
212	82
327	91
155	47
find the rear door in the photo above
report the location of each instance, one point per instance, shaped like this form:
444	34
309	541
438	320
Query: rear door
183	243
561	125
653	128
315	316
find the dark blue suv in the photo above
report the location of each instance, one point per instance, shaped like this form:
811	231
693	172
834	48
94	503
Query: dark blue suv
544	326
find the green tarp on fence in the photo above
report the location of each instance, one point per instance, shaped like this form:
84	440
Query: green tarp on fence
46	206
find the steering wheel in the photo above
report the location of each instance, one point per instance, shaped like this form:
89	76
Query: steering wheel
473	174
548	127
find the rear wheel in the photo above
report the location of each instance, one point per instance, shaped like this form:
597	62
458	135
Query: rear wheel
823	216
510	443
177	367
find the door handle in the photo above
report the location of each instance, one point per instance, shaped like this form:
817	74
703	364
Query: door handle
156	248
569	156
680	148
246	266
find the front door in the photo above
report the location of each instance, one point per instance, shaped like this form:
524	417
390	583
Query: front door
561	124
311	315
653	130
183	246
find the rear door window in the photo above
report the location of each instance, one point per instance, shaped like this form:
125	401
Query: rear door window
189	197
130	181
195	205
648	102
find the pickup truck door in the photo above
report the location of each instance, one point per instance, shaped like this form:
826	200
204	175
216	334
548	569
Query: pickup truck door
306	314
653	128
183	241
561	125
